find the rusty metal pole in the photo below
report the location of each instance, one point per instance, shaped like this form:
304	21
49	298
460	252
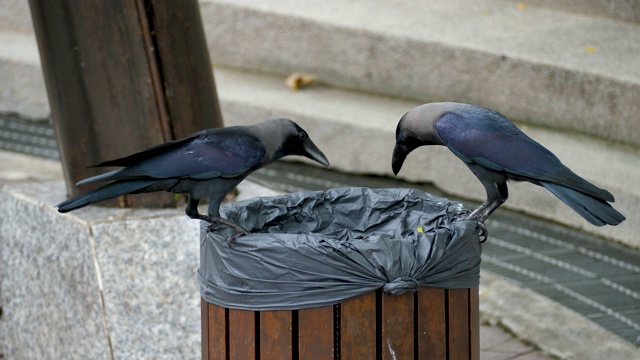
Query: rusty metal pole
122	76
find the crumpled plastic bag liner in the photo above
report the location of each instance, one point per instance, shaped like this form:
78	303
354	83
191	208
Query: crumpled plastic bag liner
320	248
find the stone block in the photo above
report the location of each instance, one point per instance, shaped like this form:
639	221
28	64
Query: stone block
97	283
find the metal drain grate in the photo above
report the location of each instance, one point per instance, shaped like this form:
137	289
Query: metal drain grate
594	277
29	137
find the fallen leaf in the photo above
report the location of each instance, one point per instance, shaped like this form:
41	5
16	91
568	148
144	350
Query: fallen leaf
297	81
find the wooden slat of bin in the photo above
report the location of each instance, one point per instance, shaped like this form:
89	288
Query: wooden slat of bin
315	333
432	326
358	327
458	311
204	328
242	334
214	340
275	334
474	323
446	326
397	326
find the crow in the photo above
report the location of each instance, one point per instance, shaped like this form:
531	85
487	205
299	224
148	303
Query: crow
206	165
496	151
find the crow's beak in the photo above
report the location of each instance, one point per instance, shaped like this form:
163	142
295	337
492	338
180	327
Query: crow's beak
400	153
312	152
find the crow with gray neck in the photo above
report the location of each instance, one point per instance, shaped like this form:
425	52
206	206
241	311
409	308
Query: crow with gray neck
206	165
496	151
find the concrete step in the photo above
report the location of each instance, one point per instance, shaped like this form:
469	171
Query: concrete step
24	90
624	10
540	66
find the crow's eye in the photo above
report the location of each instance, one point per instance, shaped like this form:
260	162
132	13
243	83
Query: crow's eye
302	135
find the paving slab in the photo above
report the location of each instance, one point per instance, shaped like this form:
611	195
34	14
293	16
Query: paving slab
556	330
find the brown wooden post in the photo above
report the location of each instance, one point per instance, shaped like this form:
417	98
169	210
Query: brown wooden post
122	76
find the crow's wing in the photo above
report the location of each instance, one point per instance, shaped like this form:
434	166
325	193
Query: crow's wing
226	152
491	141
151	152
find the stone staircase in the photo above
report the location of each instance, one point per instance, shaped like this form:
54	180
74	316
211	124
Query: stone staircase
568	74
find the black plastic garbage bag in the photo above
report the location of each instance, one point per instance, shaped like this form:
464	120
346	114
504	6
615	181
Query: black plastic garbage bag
319	248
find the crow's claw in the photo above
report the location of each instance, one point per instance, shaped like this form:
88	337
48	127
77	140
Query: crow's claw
484	233
236	235
216	223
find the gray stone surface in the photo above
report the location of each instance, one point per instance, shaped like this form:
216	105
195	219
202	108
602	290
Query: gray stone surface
532	65
51	306
148	267
15	168
556	330
99	282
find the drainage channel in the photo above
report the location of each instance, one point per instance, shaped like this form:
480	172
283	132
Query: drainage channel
594	277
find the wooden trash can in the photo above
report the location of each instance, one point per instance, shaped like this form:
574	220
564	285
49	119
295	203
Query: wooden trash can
428	324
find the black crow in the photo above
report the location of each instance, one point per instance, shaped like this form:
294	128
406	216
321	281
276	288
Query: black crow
496	151
205	165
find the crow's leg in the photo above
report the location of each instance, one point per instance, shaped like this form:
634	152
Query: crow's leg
497	193
475	215
497	198
479	210
217	220
479	215
192	212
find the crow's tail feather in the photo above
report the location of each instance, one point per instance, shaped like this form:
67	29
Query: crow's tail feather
596	211
106	192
